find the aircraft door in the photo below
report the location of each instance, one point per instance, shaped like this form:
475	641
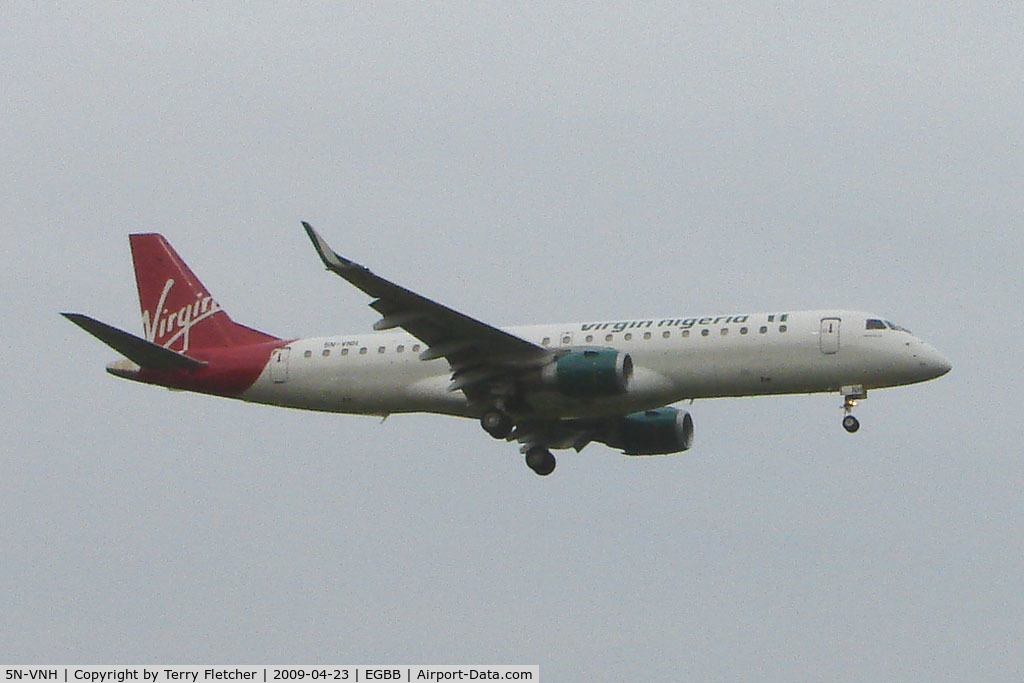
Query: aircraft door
279	365
829	338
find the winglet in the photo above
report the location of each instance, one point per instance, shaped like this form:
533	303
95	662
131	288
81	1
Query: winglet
331	259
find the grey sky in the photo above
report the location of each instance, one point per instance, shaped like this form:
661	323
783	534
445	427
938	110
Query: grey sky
522	163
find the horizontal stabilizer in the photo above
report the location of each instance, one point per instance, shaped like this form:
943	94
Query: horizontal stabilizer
144	353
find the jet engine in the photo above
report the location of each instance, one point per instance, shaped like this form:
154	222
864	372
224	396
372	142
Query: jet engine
652	432
583	373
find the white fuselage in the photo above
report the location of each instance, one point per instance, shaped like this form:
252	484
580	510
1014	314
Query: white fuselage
674	359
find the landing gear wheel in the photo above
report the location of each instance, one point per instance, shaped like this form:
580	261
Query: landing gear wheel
540	461
496	423
851	394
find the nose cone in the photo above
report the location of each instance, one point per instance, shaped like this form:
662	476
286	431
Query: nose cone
932	363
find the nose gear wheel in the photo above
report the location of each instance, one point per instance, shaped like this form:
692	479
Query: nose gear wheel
851	395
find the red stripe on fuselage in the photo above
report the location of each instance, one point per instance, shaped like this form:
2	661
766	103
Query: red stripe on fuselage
230	371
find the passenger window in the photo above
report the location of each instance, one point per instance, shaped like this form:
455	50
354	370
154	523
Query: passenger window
782	328
344	351
590	338
326	353
566	339
764	328
686	333
743	330
545	341
307	354
628	336
725	331
873	324
647	335
666	334
704	332
380	349
362	351
608	337
415	348
400	348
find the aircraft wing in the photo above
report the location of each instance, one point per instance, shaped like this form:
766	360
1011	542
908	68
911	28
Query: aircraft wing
478	353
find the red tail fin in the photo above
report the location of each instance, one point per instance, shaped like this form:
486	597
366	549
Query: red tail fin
177	311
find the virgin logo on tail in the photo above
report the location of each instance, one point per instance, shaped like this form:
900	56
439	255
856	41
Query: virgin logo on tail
162	322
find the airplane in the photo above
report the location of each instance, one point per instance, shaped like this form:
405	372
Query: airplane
545	387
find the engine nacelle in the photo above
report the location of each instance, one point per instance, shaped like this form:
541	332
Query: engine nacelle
653	432
582	373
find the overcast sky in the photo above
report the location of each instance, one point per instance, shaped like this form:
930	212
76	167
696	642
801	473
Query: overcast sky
521	163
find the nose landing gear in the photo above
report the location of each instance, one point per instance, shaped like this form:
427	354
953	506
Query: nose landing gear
851	395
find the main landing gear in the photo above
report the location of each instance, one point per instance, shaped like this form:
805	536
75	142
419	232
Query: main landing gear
851	395
540	460
497	423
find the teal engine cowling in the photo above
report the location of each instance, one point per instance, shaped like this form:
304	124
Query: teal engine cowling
583	373
652	432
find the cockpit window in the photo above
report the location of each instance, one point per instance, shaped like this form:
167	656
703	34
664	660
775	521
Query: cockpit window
897	327
875	324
